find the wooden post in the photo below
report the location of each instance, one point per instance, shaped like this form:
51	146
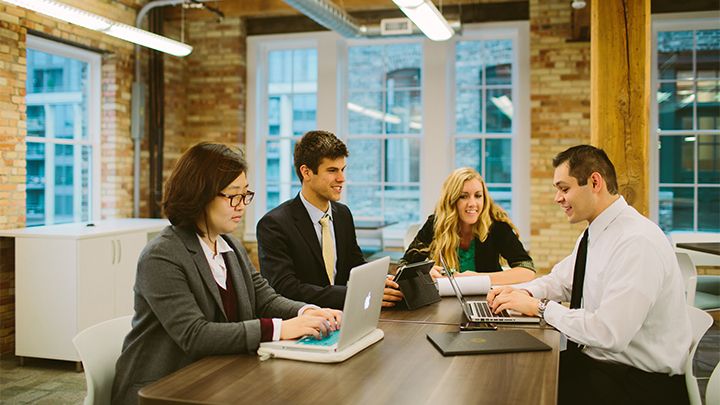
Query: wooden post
620	92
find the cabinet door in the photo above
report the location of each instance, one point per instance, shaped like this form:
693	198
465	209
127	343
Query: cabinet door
129	248
96	280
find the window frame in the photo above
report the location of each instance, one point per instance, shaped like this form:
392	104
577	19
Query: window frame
672	22
94	62
437	83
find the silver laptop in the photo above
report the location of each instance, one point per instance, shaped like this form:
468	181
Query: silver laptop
480	311
361	313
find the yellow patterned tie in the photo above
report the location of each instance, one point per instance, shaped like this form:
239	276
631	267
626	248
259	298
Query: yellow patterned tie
327	247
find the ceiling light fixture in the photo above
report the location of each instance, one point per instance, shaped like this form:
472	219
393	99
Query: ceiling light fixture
95	22
427	18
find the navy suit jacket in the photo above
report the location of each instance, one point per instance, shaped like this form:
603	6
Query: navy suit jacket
291	257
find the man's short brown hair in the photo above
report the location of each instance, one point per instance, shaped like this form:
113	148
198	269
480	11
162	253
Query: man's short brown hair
315	146
584	160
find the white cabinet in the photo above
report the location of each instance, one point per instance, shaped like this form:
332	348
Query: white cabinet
71	276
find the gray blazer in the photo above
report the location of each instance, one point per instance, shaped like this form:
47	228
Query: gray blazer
179	316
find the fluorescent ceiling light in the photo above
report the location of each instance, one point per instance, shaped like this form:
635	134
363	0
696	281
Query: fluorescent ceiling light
427	18
95	22
149	39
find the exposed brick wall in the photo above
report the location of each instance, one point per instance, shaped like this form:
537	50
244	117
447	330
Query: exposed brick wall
560	118
116	145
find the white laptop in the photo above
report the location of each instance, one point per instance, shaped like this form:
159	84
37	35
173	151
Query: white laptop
479	311
361	313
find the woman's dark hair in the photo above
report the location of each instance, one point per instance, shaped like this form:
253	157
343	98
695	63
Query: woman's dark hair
313	147
583	160
200	174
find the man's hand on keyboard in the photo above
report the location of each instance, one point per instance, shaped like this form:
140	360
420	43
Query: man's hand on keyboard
508	298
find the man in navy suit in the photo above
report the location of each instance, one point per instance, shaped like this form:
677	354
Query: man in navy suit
290	236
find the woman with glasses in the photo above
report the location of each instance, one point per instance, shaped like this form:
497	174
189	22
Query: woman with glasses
196	292
472	233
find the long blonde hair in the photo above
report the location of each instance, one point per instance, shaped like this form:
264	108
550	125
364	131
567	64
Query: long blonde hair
446	237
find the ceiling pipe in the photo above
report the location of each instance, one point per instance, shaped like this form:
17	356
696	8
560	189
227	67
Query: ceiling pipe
330	16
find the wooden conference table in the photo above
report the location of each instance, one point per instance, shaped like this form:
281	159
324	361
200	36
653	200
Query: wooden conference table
712	248
403	368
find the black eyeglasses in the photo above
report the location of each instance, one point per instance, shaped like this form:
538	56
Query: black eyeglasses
235	199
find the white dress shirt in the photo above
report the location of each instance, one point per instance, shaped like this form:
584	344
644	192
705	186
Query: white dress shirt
633	309
315	215
219	273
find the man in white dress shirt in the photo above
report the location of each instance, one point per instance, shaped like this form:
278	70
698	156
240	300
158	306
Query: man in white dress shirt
627	326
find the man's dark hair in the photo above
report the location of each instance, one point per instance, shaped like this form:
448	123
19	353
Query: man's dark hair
315	146
200	174
583	160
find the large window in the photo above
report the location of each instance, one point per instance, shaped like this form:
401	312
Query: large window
62	129
384	131
687	77
291	111
409	109
484	113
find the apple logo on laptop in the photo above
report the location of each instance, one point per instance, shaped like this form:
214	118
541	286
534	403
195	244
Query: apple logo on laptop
367	301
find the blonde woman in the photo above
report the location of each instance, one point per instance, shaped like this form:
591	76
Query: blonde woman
472	233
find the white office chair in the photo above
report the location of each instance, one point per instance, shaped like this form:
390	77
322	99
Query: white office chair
689	275
712	393
99	347
700	322
410	234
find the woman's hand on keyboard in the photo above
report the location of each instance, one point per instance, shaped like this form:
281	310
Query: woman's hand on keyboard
304	325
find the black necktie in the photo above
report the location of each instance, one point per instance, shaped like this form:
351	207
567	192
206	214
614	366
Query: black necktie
578	279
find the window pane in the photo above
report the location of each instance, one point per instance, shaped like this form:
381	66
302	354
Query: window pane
499	110
675	105
709	159
708	53
279	154
365	112
709	209
676	208
365	201
367	70
468	63
674	50
304	113
403	112
676	157
364	160
498	64
468	153
468	111
403	56
708	104
58	176
503	197
402	203
402	160
35	188
36	121
498	160
304	68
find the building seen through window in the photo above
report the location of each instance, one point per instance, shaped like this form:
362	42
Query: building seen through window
291	111
58	144
384	110
688	106
484	113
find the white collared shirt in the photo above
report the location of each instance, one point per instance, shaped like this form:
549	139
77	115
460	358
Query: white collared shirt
216	261
633	308
315	215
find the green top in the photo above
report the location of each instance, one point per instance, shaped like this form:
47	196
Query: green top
467	257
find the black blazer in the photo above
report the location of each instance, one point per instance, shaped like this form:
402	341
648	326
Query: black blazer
291	257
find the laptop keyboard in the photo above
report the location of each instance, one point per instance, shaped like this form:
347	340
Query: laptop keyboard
482	309
328	340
